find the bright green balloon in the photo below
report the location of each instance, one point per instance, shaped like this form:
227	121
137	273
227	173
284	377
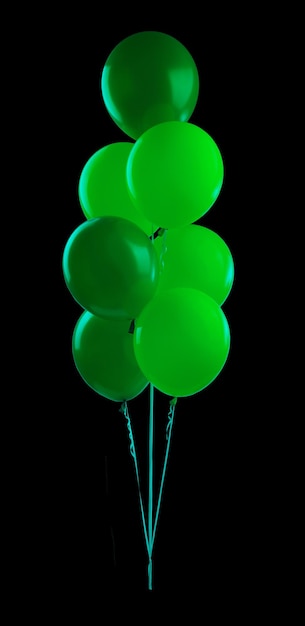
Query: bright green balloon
148	78
110	267
181	341
174	173
104	356
102	187
195	256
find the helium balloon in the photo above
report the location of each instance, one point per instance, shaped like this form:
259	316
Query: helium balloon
174	173
181	341
195	256
110	267
149	78
102	187
104	356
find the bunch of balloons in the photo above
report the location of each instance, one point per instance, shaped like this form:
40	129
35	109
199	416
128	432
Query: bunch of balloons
151	282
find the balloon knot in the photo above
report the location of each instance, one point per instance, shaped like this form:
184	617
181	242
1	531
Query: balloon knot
122	408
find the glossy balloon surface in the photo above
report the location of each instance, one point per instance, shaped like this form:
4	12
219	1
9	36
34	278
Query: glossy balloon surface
195	256
103	190
181	341
148	78
174	173
110	267
103	354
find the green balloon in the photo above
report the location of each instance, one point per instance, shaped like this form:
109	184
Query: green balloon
174	173
149	78
104	356
110	267
181	341
197	257
103	190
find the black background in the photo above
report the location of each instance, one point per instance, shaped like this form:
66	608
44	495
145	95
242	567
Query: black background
81	529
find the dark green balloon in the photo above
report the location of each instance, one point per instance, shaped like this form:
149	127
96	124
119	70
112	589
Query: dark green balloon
110	267
149	78
103	354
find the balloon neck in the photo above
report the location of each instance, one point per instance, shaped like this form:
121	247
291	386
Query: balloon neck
131	327
158	233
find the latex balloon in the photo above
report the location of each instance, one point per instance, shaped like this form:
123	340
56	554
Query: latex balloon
148	78
104	356
174	173
103	190
195	256
110	267
181	341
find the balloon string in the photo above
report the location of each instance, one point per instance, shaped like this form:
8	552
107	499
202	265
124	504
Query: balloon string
124	410
150	476
152	526
163	250
150	482
169	428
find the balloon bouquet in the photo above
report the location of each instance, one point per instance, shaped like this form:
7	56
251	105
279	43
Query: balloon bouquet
151	282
